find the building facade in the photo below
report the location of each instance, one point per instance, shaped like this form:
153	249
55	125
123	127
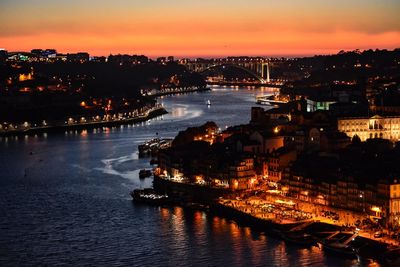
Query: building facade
373	127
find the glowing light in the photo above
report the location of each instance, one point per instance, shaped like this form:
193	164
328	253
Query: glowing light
25	77
279	201
376	209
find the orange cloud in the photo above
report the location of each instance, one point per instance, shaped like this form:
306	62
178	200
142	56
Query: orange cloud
212	44
200	28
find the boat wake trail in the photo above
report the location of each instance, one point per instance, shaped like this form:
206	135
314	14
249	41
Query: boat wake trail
110	167
130	175
119	160
183	112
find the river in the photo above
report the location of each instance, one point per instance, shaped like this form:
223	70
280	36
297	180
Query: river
64	199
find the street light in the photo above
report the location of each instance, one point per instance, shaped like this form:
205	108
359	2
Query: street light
363	200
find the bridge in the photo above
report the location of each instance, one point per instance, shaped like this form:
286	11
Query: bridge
257	67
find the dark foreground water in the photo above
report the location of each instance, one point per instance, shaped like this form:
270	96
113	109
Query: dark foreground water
68	202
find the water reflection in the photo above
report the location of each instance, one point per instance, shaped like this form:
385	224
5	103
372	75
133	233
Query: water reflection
178	111
84	134
73	206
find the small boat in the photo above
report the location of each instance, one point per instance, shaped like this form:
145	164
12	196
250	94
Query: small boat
145	173
299	238
151	147
341	249
149	196
208	102
147	147
271	100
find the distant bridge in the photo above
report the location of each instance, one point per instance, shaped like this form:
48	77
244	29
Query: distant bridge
259	68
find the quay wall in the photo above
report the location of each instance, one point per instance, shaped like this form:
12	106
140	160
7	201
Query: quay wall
367	248
56	128
185	193
177	91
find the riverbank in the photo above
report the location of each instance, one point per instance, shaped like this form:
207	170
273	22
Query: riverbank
173	91
246	84
367	248
149	114
273	218
85	181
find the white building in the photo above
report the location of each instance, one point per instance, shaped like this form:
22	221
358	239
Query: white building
374	127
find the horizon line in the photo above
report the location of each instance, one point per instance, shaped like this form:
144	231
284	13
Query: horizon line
289	55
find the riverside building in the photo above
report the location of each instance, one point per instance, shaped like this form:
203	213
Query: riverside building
387	127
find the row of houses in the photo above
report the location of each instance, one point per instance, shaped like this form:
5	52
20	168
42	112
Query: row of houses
309	156
368	184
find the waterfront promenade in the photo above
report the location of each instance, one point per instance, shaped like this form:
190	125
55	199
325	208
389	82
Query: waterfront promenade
143	114
283	210
173	91
270	208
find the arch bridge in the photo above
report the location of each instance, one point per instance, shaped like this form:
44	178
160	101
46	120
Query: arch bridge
259	69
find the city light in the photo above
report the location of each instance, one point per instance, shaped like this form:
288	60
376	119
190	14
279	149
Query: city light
213	117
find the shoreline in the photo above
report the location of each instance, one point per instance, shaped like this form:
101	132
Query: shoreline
255	84
178	91
368	248
183	194
155	112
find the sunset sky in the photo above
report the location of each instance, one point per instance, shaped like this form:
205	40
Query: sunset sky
193	28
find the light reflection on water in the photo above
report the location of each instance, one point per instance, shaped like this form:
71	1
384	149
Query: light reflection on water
64	199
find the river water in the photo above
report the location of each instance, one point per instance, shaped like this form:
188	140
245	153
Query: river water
64	199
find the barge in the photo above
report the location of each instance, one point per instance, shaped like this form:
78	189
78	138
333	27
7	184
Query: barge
151	147
149	196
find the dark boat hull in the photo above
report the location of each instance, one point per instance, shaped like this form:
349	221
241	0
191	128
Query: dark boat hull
346	252
148	196
299	240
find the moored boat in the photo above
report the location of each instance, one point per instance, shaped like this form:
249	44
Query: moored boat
145	173
271	100
344	249
149	196
151	147
147	147
299	238
341	249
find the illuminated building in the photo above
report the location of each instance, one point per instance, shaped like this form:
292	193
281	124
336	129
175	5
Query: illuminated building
394	202
373	127
267	142
278	161
315	103
241	173
389	201
25	76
